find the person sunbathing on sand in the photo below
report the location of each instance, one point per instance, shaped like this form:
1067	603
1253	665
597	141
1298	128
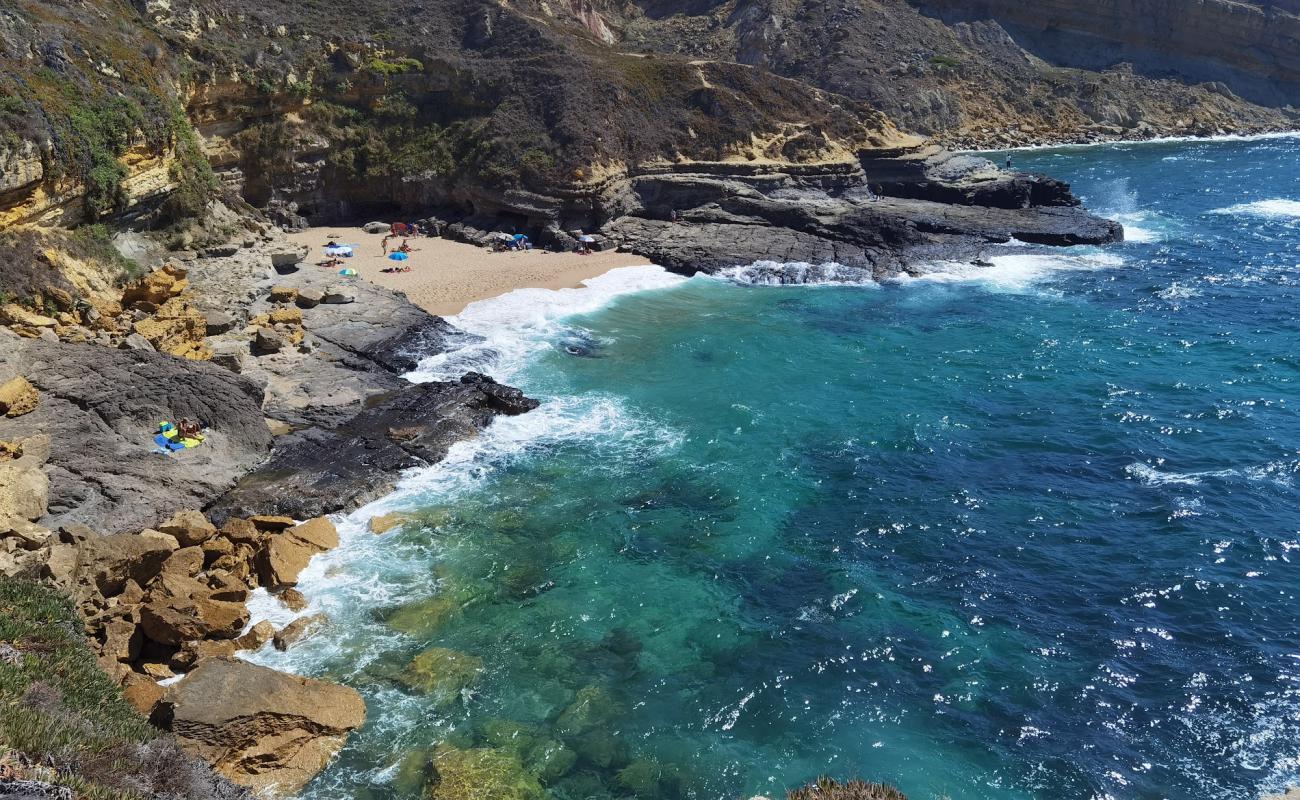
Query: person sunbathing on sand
406	247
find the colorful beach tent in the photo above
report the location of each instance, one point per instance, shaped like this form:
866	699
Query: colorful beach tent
344	250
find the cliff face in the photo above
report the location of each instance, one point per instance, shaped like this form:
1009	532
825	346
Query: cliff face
1251	47
329	110
1003	73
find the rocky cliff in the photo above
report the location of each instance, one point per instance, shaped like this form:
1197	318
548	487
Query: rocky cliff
547	111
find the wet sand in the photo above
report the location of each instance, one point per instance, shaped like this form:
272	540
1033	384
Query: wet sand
446	276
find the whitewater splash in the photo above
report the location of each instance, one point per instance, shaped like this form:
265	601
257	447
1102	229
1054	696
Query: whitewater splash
1015	273
1278	472
1275	208
797	273
515	326
1122	145
506	332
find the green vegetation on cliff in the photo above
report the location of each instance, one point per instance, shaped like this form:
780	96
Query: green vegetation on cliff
63	721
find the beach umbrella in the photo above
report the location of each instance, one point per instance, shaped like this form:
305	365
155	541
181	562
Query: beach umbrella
398	256
348	272
338	250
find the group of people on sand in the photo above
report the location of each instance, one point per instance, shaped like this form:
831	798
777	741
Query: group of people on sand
405	247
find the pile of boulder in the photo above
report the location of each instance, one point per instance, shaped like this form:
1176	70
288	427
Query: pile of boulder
154	312
171	601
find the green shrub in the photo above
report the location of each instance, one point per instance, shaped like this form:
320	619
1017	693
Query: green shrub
945	62
386	69
195	182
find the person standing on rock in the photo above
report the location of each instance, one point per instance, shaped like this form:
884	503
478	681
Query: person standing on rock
1008	162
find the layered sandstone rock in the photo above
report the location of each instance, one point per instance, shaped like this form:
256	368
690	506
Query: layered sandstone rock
263	729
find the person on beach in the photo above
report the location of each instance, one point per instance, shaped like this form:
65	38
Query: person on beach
406	247
1008	162
385	243
189	429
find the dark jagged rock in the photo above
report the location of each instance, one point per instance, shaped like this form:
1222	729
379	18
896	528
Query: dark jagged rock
316	472
940	205
101	408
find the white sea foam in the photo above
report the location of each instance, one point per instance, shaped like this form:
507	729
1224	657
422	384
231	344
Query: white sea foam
517	325
1017	273
368	571
1274	208
1278	472
797	273
1227	137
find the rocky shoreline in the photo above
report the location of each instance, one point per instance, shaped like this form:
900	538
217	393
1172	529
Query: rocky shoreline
297	377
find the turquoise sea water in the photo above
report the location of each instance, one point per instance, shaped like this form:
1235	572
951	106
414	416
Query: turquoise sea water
1023	532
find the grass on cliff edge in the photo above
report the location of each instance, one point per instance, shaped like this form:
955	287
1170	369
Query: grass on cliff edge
64	721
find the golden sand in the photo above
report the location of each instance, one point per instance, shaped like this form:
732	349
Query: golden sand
446	276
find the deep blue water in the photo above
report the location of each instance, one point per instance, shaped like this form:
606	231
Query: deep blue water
1025	532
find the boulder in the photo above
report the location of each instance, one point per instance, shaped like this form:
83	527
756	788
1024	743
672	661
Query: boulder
283	294
286	316
339	294
318	533
187	561
287	553
376	227
244	531
218	322
176	328
442	674
257	636
293	599
191	654
310	298
267	341
165	538
221	251
284	259
386	522
143	693
136	342
260	728
179	609
24	490
189	527
481	772
300	629
121	640
25	534
104	564
157	287
270	522
15	314
18	397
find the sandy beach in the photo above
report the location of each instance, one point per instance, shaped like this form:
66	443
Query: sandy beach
446	276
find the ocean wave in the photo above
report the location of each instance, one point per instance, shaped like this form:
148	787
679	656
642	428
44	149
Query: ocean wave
1226	137
1278	472
1274	208
1015	273
517	325
797	273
